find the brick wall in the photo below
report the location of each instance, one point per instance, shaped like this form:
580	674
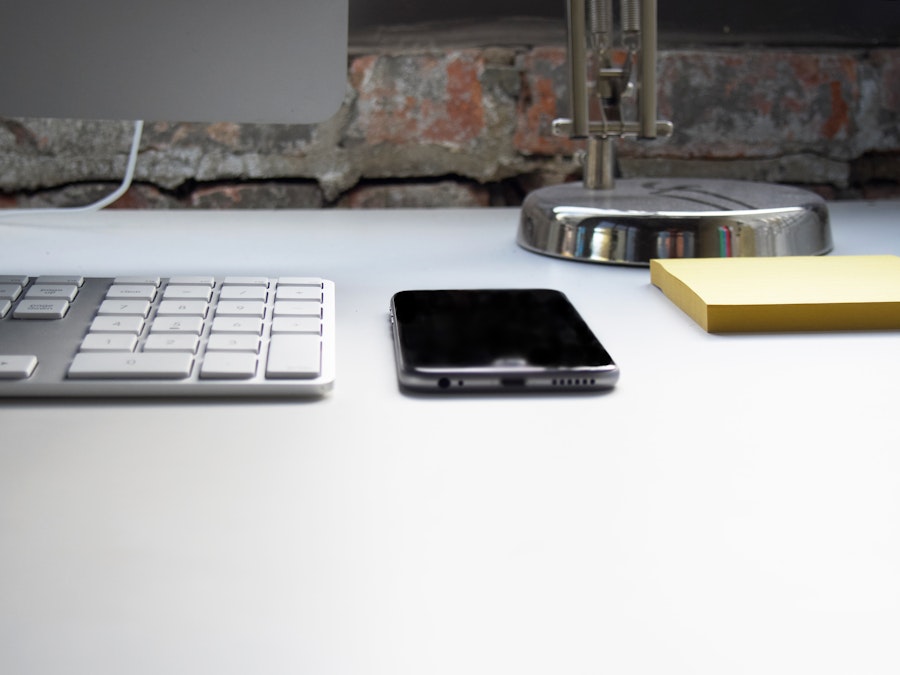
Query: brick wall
471	127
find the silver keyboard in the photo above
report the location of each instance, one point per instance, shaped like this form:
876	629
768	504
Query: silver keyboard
177	336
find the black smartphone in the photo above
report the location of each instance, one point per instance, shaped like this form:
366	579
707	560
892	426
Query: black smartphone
496	340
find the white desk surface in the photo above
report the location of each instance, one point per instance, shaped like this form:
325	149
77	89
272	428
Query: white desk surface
733	506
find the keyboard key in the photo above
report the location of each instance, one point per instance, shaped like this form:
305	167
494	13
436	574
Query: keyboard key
5	306
297	324
241	308
228	365
10	291
305	293
246	281
56	279
17	367
41	309
182	308
233	342
171	342
236	324
117	324
297	356
141	281
133	291
108	342
243	293
177	324
193	281
14	279
142	365
66	292
293	308
300	281
182	292
132	307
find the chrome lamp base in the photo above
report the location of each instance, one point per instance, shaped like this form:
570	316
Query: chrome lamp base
641	219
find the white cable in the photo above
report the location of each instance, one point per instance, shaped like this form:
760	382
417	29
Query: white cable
101	203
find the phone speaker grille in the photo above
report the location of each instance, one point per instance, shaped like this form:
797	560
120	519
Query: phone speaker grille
574	382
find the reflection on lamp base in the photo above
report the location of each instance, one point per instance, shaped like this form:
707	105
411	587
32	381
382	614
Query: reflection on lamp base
641	219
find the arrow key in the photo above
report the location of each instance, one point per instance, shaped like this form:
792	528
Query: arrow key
17	367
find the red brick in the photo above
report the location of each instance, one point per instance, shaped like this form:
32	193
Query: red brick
544	90
436	99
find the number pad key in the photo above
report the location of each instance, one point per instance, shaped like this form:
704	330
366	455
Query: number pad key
132	307
141	365
171	342
177	324
117	324
182	308
109	342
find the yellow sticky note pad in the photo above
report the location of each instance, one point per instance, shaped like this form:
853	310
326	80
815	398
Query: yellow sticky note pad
792	293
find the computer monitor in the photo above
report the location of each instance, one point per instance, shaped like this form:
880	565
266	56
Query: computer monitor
269	61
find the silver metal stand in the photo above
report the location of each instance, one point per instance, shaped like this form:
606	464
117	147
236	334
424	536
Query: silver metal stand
631	221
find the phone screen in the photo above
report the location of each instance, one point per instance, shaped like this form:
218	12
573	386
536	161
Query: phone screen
509	337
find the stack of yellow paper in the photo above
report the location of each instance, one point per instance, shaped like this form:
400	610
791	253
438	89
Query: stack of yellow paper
804	293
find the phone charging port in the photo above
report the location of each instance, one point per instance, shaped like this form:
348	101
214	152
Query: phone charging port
513	381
